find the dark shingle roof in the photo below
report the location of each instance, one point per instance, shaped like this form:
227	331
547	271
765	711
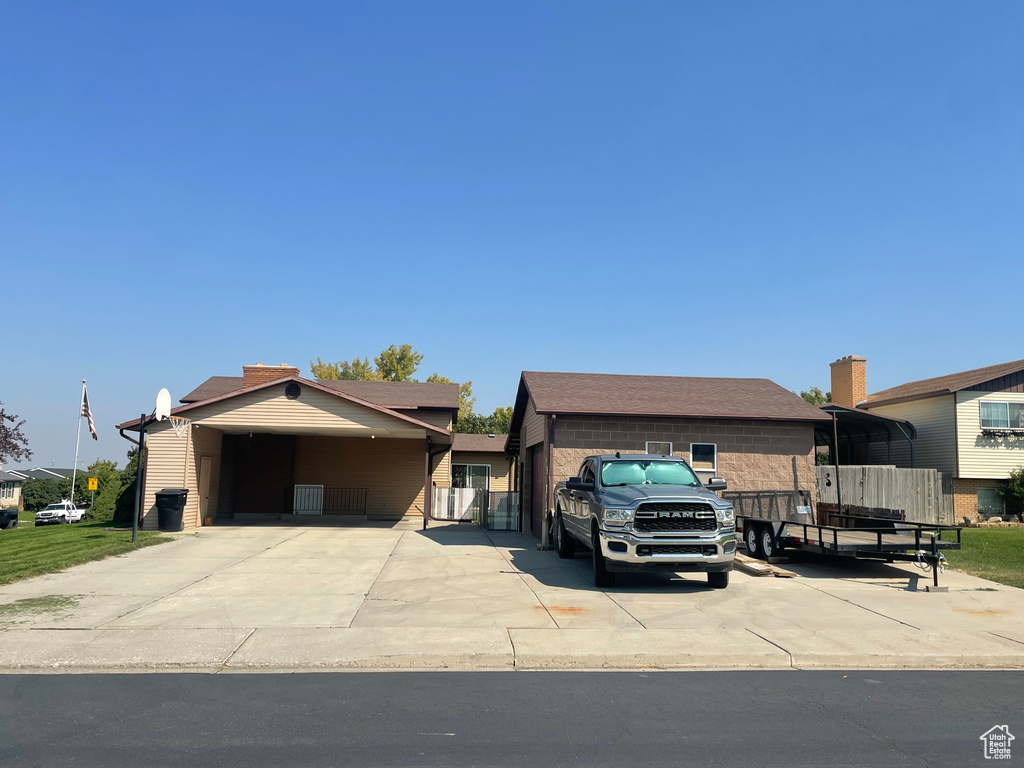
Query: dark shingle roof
7	477
479	443
942	385
608	394
389	394
399	394
44	473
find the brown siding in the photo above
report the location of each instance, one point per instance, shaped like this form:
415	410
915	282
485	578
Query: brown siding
1013	382
533	426
392	470
752	455
501	477
439	418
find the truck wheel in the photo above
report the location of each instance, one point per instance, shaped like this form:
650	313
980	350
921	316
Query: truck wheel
750	539
718	580
767	542
565	545
602	576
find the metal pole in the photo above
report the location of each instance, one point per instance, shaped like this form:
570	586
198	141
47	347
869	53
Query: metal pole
74	469
138	479
835	442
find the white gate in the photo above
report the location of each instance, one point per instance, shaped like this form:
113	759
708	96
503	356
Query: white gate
308	500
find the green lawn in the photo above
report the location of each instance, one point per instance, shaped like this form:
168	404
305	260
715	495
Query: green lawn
29	551
996	554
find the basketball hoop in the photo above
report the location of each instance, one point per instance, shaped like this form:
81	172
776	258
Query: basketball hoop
180	424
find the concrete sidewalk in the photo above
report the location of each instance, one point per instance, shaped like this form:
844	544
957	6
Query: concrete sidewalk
279	598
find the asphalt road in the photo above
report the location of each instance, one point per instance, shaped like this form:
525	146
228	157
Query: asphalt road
542	719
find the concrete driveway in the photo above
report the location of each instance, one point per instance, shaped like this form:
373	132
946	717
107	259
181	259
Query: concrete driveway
263	598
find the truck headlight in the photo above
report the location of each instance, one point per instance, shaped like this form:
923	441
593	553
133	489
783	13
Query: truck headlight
726	516
617	516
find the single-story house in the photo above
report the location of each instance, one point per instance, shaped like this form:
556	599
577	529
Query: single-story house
10	490
752	432
476	457
270	443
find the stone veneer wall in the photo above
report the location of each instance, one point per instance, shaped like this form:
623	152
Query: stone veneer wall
753	455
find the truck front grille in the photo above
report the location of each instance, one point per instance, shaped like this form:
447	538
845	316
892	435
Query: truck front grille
708	550
657	517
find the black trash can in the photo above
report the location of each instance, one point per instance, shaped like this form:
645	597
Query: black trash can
170	503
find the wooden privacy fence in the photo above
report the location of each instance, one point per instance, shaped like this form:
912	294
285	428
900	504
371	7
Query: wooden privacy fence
913	495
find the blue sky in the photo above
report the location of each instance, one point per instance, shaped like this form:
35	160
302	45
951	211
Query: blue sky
720	189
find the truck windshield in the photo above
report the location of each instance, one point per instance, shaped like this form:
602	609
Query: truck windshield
54	506
647	473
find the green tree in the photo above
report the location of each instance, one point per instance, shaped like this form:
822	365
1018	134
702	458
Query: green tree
466	399
1013	492
108	478
815	396
501	420
345	369
37	493
398	363
124	507
13	443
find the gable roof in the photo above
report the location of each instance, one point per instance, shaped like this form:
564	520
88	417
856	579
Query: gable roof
675	396
390	394
942	385
7	477
133	424
479	443
42	473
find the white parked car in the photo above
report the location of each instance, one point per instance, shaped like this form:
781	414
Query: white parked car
61	513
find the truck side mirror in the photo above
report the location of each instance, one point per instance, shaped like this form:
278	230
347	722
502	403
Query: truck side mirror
716	484
576	484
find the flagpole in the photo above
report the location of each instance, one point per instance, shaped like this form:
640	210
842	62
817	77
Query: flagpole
78	439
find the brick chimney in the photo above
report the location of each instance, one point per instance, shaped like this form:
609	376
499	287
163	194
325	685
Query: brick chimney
849	381
254	375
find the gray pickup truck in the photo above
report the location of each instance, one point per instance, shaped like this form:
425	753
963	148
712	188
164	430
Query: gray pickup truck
636	512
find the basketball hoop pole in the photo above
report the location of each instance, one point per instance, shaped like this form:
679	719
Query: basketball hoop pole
138	480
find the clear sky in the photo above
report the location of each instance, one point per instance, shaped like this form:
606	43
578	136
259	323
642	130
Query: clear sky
690	188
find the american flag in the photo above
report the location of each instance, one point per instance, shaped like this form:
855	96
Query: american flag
87	412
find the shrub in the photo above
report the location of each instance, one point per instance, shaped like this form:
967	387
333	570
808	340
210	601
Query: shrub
1013	492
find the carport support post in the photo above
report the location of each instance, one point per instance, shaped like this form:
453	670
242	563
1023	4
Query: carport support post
427	495
138	480
835	442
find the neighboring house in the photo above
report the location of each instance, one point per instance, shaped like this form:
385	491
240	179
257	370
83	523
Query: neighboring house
271	443
10	490
45	473
480	461
970	424
751	432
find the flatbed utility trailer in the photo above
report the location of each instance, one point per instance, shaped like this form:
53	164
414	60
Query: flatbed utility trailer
863	538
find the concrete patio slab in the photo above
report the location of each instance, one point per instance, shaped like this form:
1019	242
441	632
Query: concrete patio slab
69	611
197	609
523	610
365	648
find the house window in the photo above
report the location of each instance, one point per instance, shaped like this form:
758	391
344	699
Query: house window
1002	415
659	449
989	502
5	490
704	456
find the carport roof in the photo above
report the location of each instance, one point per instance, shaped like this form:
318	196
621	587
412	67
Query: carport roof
390	394
133	425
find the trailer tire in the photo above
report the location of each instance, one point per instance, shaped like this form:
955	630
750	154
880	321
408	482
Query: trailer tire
750	538
767	542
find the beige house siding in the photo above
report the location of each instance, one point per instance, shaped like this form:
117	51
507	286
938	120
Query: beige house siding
13	497
501	477
935	446
271	411
166	455
204	442
438	418
753	455
391	470
442	476
983	457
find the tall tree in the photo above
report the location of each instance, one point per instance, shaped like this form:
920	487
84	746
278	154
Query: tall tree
344	369
108	478
466	399
13	443
398	363
815	396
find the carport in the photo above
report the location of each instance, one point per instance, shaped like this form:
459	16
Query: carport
297	450
856	436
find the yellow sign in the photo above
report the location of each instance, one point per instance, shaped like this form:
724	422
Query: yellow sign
94	484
